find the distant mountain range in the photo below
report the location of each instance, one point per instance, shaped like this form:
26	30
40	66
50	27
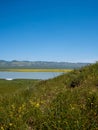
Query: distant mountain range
40	64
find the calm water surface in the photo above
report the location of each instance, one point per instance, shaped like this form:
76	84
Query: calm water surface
28	75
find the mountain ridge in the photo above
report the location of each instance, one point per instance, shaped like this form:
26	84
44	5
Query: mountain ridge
41	64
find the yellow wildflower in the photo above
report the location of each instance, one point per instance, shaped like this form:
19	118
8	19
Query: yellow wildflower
37	105
2	128
10	124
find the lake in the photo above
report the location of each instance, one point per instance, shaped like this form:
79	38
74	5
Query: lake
28	75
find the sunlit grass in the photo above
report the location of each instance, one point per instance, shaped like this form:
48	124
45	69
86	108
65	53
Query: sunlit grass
37	70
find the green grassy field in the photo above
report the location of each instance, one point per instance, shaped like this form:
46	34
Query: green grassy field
37	70
67	102
17	85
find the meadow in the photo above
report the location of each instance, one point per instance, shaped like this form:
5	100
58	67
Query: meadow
67	102
36	70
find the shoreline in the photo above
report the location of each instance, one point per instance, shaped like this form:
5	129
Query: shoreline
35	70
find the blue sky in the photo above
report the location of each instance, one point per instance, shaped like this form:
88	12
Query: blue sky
49	30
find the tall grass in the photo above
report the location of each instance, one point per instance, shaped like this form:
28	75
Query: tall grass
67	102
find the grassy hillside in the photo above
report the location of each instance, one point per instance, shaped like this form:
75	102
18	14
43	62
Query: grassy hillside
67	102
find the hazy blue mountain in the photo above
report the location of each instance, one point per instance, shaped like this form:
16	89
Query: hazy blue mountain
40	64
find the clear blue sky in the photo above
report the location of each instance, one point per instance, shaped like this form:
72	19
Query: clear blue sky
49	30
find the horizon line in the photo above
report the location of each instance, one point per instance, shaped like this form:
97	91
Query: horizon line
47	61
